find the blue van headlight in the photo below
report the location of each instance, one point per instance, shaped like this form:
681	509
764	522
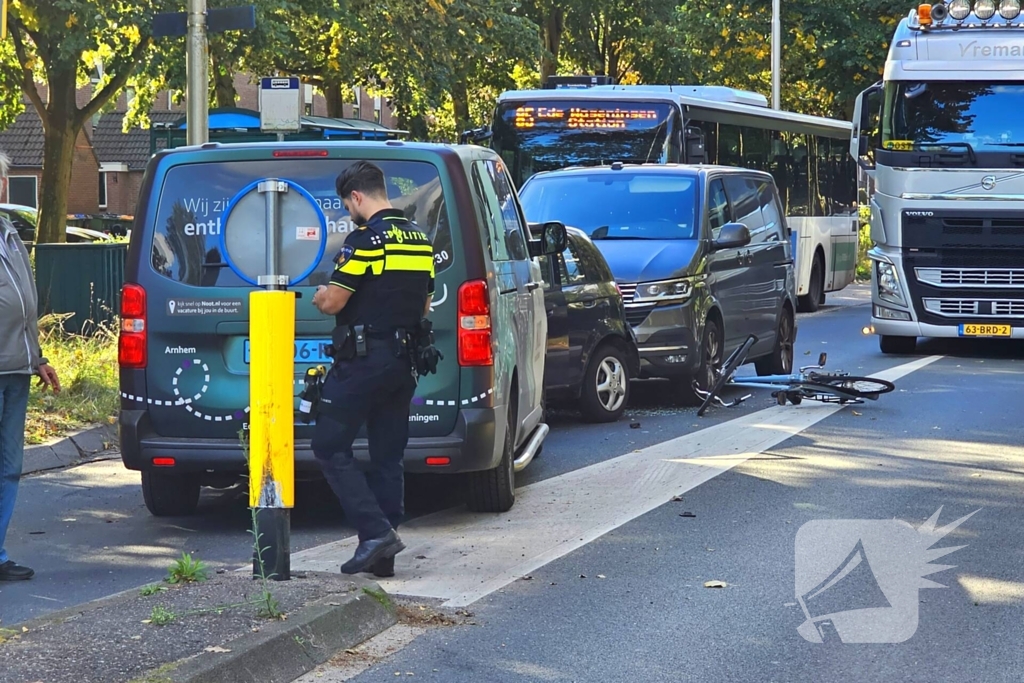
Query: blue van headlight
664	291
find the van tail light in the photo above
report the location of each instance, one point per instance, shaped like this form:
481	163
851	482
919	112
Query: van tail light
132	342
475	325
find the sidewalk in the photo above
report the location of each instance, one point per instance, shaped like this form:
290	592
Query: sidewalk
88	445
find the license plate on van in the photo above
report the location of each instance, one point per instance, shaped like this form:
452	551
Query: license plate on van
306	351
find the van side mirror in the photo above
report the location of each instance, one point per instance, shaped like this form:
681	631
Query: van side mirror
553	239
732	236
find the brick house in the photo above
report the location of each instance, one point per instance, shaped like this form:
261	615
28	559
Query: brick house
23	143
107	173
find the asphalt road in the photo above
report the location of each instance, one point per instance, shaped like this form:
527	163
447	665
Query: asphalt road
948	437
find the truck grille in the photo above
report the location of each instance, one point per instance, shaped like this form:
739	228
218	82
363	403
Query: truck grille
975	308
971	277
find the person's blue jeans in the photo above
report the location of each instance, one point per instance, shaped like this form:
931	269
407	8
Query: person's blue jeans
13	406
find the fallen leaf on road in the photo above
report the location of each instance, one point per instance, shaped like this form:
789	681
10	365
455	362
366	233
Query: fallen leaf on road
216	648
977	474
601	576
687	514
146	621
527	578
136	637
714	584
856	413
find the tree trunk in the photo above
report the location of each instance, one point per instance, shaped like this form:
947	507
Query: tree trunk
61	126
224	93
335	100
554	25
460	102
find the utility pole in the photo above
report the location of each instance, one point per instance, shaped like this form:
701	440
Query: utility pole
197	69
776	54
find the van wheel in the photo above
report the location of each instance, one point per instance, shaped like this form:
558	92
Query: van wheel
605	386
170	495
711	354
780	362
815	296
495	490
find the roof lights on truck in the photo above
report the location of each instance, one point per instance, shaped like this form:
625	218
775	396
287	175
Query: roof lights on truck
959	9
1009	9
924	14
985	9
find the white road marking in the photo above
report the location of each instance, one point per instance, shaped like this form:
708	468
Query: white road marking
468	556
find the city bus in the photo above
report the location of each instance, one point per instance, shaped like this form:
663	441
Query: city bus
540	130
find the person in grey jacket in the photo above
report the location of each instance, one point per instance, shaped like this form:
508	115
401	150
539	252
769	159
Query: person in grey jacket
20	359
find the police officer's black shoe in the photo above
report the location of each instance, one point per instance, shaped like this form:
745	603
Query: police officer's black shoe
9	571
370	551
383	569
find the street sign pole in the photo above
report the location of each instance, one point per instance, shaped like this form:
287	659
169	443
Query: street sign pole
776	54
197	116
271	392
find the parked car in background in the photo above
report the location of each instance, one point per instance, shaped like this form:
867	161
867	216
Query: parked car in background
26	218
702	255
591	351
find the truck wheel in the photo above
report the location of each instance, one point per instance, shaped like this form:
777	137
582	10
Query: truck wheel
170	495
815	296
605	386
780	362
897	345
495	490
711	355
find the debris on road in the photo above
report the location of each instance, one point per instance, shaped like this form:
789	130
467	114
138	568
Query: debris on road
687	514
715	584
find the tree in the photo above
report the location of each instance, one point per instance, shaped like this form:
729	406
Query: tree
60	44
607	36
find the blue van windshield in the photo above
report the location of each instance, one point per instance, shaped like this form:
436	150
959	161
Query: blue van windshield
616	204
191	212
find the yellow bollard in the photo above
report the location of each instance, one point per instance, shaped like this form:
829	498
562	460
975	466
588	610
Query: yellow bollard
271	429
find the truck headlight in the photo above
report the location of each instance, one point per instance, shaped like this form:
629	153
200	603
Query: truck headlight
663	292
1009	9
959	9
889	288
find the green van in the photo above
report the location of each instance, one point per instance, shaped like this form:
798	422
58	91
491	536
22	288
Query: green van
184	347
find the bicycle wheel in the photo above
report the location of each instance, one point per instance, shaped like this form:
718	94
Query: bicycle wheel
857	387
735	359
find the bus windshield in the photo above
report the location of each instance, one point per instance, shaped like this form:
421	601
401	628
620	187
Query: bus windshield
534	136
982	115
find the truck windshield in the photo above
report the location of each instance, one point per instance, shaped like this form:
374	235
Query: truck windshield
534	136
981	115
610	205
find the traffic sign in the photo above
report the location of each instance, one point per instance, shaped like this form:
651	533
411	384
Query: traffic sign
301	236
280	105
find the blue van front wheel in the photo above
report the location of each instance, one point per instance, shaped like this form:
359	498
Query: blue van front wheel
169	494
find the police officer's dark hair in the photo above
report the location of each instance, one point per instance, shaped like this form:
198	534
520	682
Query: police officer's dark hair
363	177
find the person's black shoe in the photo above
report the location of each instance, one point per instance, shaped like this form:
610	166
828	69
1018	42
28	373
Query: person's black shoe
370	551
383	569
9	571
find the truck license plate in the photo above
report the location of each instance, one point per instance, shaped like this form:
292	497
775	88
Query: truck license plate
977	330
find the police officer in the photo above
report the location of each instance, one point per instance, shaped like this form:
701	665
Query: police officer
379	292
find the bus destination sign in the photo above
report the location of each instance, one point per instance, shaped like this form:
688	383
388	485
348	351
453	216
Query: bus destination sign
582	118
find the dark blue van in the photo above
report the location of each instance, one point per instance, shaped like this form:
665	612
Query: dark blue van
184	350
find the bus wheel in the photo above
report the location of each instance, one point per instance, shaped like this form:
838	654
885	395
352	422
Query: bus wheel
815	296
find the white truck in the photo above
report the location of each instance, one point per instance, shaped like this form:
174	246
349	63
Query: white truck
942	139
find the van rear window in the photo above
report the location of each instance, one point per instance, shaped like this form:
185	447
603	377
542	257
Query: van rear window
190	215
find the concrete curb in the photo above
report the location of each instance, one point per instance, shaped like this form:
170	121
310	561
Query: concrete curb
88	445
281	651
287	650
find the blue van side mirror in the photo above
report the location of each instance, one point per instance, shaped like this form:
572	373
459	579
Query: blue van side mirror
553	239
732	236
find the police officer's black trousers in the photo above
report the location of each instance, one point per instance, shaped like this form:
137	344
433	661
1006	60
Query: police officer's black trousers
377	390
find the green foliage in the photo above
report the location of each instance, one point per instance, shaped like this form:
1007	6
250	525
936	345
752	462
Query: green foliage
266	604
161	616
864	244
186	570
151	589
88	370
